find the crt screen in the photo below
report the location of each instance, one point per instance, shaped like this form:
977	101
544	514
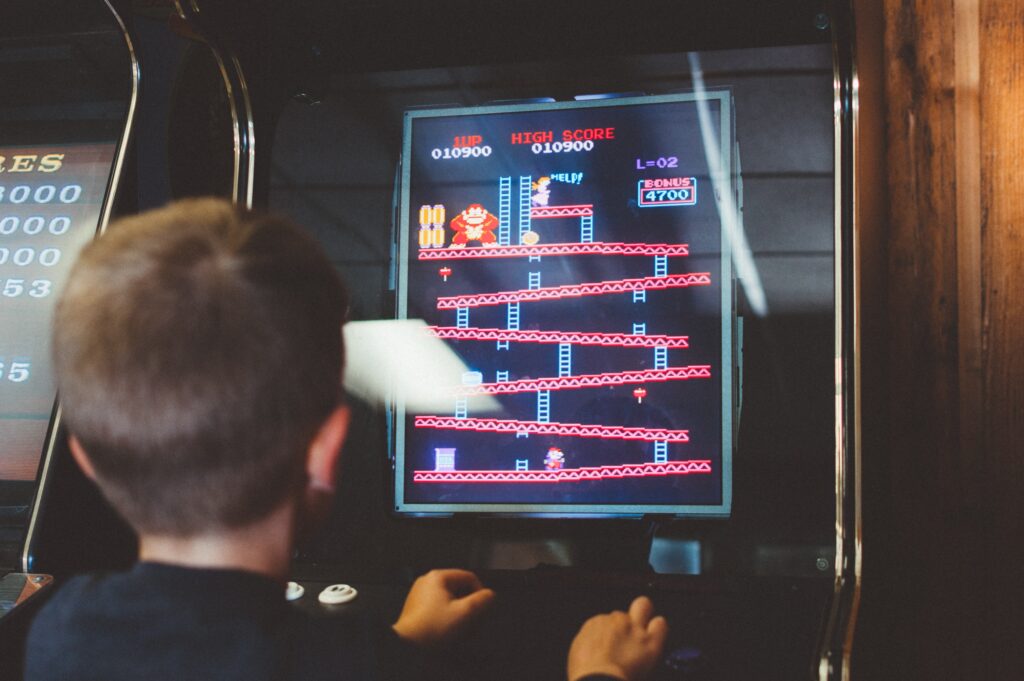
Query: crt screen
51	198
575	256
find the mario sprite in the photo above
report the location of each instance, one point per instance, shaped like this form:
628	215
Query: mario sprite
554	460
474	224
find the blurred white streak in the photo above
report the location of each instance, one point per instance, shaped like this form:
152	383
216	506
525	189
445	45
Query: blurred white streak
732	222
398	359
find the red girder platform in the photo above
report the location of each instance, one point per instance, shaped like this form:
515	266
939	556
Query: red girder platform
577	211
486	425
630	470
625	340
575	290
593	248
586	380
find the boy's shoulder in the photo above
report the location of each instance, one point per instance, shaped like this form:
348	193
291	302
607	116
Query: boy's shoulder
69	622
150	590
166	622
74	595
152	621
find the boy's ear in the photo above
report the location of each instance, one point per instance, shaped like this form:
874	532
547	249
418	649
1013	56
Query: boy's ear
81	457
325	449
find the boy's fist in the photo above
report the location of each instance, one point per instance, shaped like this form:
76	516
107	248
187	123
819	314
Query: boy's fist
626	646
439	604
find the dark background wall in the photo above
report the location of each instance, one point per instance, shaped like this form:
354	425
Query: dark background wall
943	340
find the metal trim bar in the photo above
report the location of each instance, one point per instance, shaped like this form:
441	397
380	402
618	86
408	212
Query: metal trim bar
27	554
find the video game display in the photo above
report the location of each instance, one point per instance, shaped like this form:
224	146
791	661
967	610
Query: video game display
51	199
573	255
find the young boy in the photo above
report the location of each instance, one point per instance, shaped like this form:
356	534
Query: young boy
199	361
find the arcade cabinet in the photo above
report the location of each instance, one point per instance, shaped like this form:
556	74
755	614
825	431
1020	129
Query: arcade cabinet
618	241
69	85
633	226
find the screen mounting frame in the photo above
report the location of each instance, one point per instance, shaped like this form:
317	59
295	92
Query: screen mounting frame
724	175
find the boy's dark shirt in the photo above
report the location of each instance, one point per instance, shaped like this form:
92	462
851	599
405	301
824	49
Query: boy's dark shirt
166	622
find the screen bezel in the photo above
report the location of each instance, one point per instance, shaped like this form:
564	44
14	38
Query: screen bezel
397	413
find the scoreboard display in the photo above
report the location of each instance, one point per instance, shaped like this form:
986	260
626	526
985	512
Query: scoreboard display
51	202
576	257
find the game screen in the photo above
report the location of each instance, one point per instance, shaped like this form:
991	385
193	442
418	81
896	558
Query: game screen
574	255
51	199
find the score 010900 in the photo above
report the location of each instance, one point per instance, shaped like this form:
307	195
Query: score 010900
461	152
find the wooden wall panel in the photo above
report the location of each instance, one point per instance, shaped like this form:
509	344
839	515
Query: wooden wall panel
944	473
1000	456
923	452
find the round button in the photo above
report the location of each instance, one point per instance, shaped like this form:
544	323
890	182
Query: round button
294	591
337	593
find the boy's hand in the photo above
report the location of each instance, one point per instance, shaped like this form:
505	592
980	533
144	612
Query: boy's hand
439	604
626	646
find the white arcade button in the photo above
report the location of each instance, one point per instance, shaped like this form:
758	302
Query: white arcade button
294	591
337	593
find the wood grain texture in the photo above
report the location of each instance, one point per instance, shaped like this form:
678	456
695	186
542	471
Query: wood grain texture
967	54
924	461
999	457
944	519
1002	74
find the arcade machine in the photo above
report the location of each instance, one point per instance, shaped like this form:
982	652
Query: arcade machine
615	245
189	137
69	86
632	225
